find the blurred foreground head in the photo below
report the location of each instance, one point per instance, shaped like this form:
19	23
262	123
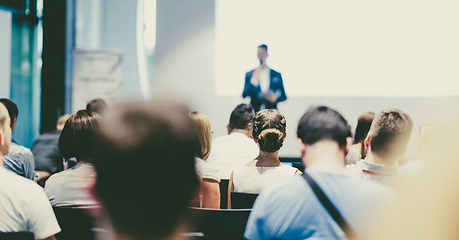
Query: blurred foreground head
430	210
144	159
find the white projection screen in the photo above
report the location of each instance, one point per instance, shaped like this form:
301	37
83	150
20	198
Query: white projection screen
355	48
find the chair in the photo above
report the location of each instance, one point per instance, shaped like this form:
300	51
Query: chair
75	223
17	236
206	223
242	200
224	193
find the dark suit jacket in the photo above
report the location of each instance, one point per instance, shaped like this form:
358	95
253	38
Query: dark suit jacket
257	97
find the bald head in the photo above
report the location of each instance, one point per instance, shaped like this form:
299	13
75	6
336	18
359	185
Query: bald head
5	130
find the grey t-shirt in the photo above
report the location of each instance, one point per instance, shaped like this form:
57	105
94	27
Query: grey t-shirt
70	188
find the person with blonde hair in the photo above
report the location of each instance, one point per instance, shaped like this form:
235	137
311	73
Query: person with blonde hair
429	138
210	188
358	151
269	133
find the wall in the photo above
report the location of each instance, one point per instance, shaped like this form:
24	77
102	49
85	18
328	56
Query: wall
184	69
5	53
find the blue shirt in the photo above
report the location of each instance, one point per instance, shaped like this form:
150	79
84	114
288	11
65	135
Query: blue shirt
291	210
20	161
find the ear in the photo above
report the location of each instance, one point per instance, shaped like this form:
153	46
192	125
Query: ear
367	140
348	145
228	128
14	123
302	147
285	136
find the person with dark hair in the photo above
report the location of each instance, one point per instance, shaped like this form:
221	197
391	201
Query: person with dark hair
142	140
291	209
264	85
24	206
237	148
97	105
69	188
269	132
46	153
19	158
387	141
358	151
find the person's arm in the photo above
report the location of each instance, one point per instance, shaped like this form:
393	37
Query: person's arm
230	190
281	91
49	238
249	88
29	165
211	193
41	220
41	175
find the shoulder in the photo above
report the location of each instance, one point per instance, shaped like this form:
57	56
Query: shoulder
274	72
18	185
16	149
206	170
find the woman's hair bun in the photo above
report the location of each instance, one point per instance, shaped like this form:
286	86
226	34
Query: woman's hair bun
271	140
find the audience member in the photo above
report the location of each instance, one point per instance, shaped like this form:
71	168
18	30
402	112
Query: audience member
69	188
24	206
97	105
386	141
291	210
19	158
358	151
46	153
430	209
237	148
210	187
146	178
269	132
429	140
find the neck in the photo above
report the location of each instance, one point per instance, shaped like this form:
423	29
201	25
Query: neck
1	157
374	158
263	64
245	132
325	156
266	159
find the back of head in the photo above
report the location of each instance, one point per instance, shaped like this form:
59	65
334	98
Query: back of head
61	121
269	130
323	123
390	133
144	159
203	133
12	109
241	117
97	105
78	134
363	126
5	130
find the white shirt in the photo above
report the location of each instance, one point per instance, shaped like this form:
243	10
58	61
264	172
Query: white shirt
255	179
231	151
206	170
265	79
24	207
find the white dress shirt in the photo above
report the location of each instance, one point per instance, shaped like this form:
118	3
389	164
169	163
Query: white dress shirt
265	79
231	151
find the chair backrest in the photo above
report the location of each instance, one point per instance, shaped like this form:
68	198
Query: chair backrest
224	193
218	223
17	236
75	223
242	200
